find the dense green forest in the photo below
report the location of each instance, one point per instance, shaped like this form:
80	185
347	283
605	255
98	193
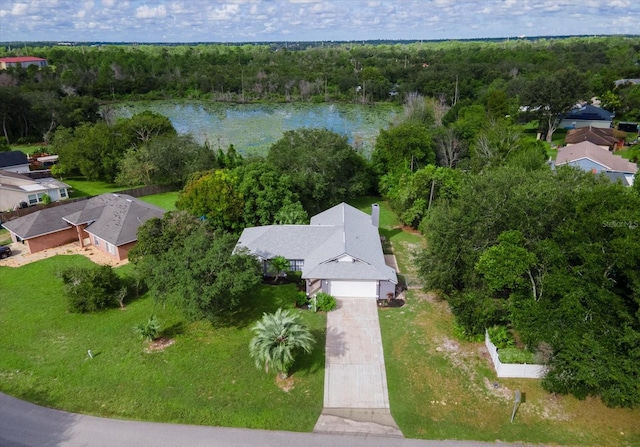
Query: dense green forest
551	256
34	102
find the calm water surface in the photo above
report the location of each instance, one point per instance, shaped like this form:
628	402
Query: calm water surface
253	128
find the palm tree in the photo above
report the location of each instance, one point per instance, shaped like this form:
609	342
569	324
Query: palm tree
278	264
277	337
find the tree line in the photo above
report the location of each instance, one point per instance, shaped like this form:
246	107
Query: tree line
35	101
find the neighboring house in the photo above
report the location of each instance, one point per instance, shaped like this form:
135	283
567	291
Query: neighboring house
587	115
14	161
22	61
629	127
16	189
589	157
599	136
339	252
621	82
109	222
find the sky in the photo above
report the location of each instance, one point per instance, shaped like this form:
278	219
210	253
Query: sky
309	20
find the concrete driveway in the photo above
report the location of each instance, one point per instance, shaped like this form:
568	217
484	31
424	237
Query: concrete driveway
356	399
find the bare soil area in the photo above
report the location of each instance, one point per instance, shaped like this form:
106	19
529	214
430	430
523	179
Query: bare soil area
21	255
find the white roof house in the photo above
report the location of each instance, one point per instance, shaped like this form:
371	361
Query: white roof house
339	252
19	188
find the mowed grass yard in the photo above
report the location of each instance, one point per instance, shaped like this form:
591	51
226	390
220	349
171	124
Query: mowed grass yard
206	377
441	387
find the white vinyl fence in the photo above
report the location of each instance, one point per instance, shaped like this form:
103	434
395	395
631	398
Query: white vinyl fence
513	370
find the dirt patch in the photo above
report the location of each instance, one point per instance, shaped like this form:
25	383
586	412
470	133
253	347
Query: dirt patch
409	229
285	385
21	255
159	344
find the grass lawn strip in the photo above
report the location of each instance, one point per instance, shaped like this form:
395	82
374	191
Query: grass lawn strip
84	188
205	377
165	200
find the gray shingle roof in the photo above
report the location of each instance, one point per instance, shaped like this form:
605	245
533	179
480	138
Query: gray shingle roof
114	218
337	232
13	158
587	150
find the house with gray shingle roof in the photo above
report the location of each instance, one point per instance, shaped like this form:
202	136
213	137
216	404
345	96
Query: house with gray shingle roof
589	157
14	161
339	252
109	222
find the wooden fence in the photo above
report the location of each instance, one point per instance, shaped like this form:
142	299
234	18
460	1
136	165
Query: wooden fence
133	192
512	370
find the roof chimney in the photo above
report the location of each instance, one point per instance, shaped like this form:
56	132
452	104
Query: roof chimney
375	215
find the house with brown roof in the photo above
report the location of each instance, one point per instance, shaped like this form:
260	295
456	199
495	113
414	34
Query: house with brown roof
109	222
589	157
21	61
602	137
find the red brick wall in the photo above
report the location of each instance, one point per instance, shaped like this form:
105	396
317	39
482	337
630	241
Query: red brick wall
123	250
52	240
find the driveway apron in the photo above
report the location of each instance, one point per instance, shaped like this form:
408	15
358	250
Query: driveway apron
356	399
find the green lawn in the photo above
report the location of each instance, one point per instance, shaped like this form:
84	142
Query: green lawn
83	188
165	200
29	149
206	377
5	237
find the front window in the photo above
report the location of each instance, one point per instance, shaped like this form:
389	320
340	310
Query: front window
63	193
110	248
296	265
33	199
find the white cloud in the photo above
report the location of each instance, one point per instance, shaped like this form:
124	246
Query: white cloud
147	12
19	9
225	12
234	20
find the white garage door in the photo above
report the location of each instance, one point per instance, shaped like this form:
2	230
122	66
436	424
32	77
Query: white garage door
353	288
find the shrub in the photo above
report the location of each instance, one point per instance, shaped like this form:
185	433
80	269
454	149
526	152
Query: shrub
501	337
325	302
46	199
89	289
301	299
515	355
475	311
149	330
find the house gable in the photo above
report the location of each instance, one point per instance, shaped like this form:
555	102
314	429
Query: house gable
340	244
587	153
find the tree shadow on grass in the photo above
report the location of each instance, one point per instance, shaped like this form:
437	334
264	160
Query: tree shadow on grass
266	299
173	330
313	361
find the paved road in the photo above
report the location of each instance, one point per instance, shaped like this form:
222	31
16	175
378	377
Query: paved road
26	425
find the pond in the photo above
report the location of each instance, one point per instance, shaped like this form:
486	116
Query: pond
253	128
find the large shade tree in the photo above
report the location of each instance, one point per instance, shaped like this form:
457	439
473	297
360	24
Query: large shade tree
555	256
323	168
278	337
186	263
